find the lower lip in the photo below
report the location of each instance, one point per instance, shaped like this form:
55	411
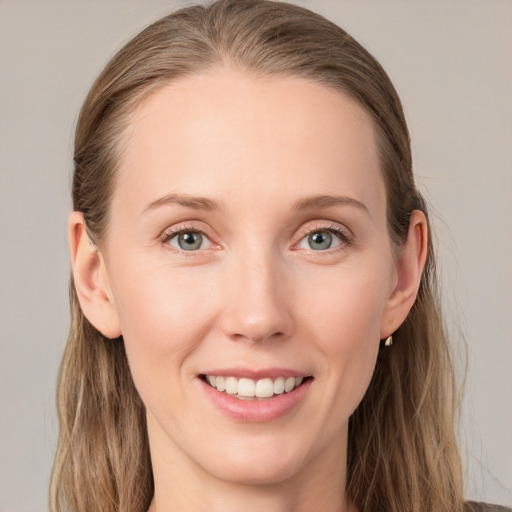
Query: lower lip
256	411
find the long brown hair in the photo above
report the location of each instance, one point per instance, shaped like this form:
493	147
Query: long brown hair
402	454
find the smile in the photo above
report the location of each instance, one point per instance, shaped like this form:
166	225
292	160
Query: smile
255	396
247	389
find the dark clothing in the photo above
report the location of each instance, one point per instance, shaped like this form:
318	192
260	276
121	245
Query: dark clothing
471	506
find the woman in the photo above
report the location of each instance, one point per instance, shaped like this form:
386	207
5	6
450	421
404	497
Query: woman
255	320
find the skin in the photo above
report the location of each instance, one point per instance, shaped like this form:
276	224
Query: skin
257	293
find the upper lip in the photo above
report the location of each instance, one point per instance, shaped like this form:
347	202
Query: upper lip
251	373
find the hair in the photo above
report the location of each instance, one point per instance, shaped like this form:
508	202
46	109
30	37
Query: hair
402	452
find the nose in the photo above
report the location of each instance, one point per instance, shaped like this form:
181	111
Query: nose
257	305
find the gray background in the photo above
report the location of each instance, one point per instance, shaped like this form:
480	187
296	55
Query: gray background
450	61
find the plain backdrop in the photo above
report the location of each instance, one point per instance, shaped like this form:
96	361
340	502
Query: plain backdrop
451	63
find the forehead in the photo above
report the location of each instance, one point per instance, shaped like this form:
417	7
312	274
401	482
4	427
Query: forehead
232	132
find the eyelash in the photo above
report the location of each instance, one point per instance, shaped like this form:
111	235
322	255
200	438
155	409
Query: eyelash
344	235
172	232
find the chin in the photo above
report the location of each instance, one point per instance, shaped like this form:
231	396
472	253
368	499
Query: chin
249	474
263	466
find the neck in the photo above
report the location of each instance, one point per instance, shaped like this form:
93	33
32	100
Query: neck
225	497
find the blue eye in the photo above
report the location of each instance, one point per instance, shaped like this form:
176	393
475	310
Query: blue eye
323	239
187	240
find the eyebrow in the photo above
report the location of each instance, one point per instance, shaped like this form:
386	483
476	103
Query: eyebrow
203	203
186	200
326	201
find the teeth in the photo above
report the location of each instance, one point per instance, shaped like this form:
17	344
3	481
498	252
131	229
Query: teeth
231	385
279	386
289	384
264	388
244	388
220	383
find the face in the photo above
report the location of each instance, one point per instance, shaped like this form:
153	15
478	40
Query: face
248	241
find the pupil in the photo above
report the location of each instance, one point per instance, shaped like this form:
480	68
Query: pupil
322	239
191	240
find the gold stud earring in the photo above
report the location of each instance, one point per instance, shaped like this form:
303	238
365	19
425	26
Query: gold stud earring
389	341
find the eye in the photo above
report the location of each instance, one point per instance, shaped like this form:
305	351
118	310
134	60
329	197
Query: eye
324	238
186	239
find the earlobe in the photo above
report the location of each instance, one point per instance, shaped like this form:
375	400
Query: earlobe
91	279
410	264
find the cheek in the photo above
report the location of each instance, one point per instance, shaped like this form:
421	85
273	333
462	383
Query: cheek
347	308
347	317
161	319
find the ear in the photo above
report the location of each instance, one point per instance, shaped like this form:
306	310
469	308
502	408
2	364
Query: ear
410	264
91	279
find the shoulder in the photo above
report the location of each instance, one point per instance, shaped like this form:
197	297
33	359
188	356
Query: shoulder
472	506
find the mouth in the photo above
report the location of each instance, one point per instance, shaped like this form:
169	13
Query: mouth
256	396
244	388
